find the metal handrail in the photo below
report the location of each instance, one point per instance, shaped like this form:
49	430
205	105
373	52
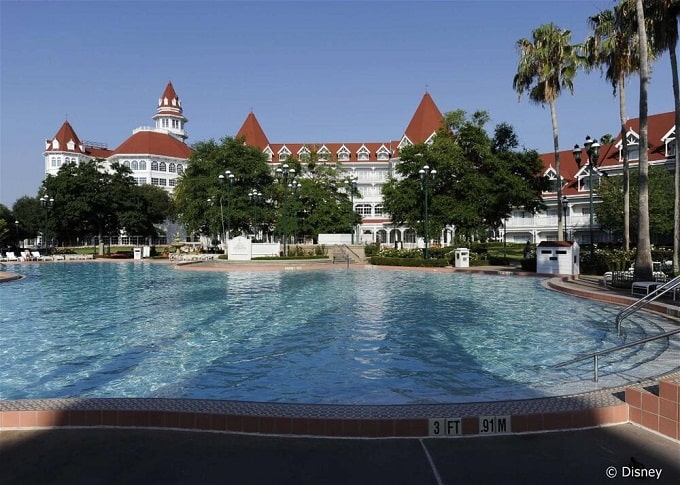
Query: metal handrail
645	300
595	355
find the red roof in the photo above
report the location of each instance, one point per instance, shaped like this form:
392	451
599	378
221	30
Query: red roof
65	134
253	132
153	143
169	103
426	120
658	126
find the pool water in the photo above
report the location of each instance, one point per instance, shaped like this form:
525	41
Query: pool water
138	329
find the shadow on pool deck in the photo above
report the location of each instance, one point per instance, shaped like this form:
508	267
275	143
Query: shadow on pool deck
134	456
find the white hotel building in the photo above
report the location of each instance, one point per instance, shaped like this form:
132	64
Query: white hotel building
158	155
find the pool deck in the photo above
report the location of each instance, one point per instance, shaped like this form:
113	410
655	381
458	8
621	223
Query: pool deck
147	440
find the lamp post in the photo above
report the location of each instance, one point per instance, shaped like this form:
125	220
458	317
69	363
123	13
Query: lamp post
254	195
47	202
16	227
593	151
286	177
227	178
351	184
425	174
565	207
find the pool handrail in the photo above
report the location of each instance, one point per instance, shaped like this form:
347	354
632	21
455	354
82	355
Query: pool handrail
595	355
661	290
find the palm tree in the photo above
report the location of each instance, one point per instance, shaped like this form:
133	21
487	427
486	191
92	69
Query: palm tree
547	64
613	46
643	258
664	37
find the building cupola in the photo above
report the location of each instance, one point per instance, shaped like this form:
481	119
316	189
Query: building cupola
169	116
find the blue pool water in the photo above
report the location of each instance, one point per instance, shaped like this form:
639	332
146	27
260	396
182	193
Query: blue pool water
138	329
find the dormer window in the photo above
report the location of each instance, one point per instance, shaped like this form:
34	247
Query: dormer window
270	154
55	144
363	154
670	148
383	153
304	153
633	143
284	153
324	154
551	175
71	145
343	154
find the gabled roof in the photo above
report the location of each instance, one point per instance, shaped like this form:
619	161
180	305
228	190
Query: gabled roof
426	120
253	132
153	143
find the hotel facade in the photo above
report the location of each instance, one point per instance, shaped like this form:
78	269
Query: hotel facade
159	154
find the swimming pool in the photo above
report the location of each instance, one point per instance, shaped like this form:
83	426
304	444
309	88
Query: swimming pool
138	329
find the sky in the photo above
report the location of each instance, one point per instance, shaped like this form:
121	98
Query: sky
310	71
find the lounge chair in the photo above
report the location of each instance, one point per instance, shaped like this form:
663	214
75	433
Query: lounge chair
38	257
11	256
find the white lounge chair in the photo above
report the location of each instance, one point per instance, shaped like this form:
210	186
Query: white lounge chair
11	256
38	257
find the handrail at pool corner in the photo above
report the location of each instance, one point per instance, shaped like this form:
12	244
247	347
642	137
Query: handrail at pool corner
595	355
661	290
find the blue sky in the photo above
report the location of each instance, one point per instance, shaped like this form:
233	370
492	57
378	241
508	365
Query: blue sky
311	71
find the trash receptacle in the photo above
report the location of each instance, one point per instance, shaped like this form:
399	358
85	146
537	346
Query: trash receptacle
137	253
462	258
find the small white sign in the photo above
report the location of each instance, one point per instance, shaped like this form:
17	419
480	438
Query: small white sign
446	426
494	424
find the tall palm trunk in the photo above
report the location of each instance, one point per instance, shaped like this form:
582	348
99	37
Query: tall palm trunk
556	144
643	259
626	169
676	202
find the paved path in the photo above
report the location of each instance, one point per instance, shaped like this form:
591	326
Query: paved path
129	456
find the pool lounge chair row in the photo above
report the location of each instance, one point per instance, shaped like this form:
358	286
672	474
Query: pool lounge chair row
10	256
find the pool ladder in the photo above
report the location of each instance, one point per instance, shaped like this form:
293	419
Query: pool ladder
672	285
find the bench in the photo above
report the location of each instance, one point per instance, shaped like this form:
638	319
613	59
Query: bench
647	286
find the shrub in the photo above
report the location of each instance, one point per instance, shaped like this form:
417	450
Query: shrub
398	261
372	249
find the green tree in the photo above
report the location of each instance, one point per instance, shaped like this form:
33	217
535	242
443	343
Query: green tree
548	63
322	204
479	180
229	202
147	207
88	199
31	217
610	210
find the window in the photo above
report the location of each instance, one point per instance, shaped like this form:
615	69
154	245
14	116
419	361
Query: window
171	168
175	124
670	148
633	152
343	154
323	154
378	210
162	182
142	165
134	165
383	154
155	181
180	168
164	122
410	236
54	162
363	154
172	182
154	165
140	180
162	167
363	209
126	163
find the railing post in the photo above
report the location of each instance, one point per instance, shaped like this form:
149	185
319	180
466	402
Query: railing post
595	367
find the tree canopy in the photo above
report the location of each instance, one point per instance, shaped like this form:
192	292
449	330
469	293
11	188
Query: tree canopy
480	178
